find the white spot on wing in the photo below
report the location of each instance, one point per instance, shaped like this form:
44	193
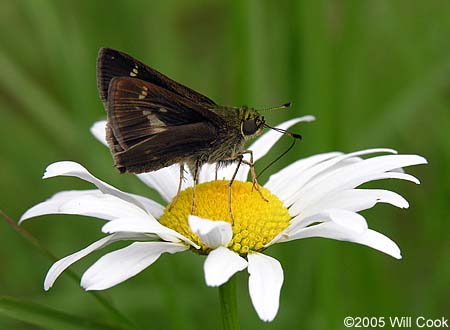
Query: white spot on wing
154	120
143	93
134	72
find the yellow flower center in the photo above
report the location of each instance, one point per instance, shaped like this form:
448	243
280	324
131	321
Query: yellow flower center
256	221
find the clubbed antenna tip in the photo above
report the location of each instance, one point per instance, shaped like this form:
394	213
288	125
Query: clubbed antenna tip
283	106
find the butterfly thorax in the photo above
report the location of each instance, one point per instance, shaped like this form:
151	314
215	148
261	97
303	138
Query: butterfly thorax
241	124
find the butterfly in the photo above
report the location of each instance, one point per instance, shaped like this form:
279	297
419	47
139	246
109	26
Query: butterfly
154	122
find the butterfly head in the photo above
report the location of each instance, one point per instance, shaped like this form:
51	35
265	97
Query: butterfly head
252	123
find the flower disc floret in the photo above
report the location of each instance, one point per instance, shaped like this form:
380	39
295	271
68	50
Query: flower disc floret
256	221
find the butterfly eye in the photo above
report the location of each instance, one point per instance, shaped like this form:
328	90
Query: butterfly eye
249	127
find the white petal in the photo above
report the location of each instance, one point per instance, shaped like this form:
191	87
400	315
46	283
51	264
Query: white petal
265	281
303	206
380	176
118	266
99	131
152	207
166	180
352	176
319	173
280	180
147	226
135	225
260	148
295	186
208	172
68	168
335	231
221	264
62	264
372	166
351	220
299	207
355	200
92	203
212	233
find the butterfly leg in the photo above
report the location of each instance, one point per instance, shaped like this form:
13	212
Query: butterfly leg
240	159
251	164
174	201
198	164
217	170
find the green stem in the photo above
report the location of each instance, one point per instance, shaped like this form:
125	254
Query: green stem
228	304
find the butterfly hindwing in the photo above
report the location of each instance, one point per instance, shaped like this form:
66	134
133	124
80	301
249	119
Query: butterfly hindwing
181	144
151	127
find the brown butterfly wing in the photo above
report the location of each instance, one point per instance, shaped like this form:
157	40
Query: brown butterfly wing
150	127
182	144
113	63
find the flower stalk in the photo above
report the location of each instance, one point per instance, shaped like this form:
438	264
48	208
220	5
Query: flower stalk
228	304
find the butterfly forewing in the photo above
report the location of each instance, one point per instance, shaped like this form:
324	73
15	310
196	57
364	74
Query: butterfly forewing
112	63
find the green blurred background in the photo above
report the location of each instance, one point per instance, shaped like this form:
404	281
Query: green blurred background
374	73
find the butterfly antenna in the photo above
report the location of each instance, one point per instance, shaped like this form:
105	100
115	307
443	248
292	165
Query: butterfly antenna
294	137
279	107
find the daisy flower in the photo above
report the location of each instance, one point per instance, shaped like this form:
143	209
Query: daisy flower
313	197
